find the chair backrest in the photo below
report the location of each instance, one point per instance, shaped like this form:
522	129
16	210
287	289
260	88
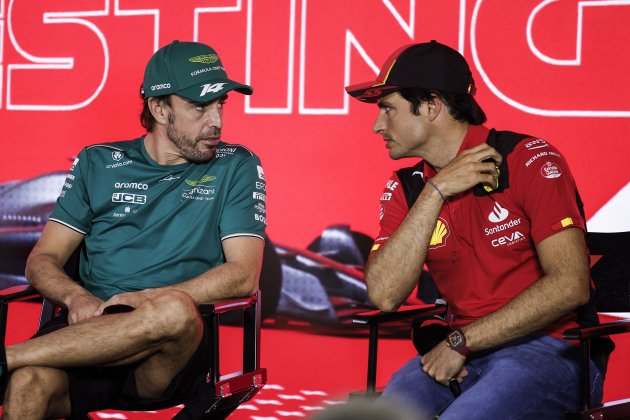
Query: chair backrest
610	270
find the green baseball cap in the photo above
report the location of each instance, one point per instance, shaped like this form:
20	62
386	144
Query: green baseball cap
191	70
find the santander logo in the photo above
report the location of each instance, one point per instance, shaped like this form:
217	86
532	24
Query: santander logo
498	214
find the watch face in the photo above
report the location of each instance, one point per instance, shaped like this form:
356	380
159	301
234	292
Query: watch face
456	339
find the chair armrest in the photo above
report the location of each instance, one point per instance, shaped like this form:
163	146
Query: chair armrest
607	328
404	312
250	308
18	293
227	305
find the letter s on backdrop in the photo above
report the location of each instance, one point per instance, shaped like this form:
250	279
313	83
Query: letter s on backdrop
68	55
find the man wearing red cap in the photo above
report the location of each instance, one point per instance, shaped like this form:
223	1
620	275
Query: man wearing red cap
169	220
497	219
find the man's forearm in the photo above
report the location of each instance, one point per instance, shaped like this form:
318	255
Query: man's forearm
45	273
393	272
536	307
225	281
564	287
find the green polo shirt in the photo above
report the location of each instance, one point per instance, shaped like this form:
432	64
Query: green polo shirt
148	225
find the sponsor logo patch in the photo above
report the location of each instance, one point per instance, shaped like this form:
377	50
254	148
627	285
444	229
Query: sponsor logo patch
539	155
74	164
225	151
202	180
386	196
440	234
550	170
259	196
391	185
205	59
119	164
129	198
161	86
498	213
261	208
117	155
131	185
536	144
509	239
261	173
504	226
200	191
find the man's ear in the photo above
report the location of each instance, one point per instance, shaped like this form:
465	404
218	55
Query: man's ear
158	110
434	107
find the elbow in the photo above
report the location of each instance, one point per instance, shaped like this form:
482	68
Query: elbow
584	295
379	297
250	286
383	303
582	290
29	270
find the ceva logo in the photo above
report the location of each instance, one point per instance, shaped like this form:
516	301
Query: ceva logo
498	213
440	233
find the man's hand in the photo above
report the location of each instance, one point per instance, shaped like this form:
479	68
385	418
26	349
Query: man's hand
82	307
443	363
133	299
469	169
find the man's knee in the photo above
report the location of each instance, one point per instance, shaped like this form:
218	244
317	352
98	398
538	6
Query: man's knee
35	385
173	314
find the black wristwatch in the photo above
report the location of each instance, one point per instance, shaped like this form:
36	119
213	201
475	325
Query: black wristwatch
456	340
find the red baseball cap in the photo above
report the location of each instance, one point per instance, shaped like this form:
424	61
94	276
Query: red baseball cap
428	65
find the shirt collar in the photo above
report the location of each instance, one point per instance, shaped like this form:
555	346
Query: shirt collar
475	135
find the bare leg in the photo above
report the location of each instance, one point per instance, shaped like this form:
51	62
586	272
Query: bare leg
37	393
163	332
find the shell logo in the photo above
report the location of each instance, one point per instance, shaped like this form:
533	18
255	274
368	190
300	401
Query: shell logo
440	233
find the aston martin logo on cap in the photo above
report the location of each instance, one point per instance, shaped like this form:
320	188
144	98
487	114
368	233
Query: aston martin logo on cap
205	59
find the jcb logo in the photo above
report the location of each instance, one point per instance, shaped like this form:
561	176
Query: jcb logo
212	88
129	198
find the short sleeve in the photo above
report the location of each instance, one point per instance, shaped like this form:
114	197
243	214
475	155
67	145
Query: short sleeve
543	182
245	211
392	212
73	205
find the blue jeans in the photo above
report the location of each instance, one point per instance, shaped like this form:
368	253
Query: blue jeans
530	378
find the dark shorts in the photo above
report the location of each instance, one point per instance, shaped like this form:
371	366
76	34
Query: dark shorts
98	388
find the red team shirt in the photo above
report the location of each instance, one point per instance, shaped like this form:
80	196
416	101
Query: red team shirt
483	250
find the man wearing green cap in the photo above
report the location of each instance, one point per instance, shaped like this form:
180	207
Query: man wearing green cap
496	217
166	221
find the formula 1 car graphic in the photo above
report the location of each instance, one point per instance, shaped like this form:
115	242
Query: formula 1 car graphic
321	286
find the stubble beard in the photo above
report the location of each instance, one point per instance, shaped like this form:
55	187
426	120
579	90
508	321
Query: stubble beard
189	148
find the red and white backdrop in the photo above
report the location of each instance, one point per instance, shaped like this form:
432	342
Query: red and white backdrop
70	72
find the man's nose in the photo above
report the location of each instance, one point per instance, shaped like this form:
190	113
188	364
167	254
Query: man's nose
378	124
214	117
